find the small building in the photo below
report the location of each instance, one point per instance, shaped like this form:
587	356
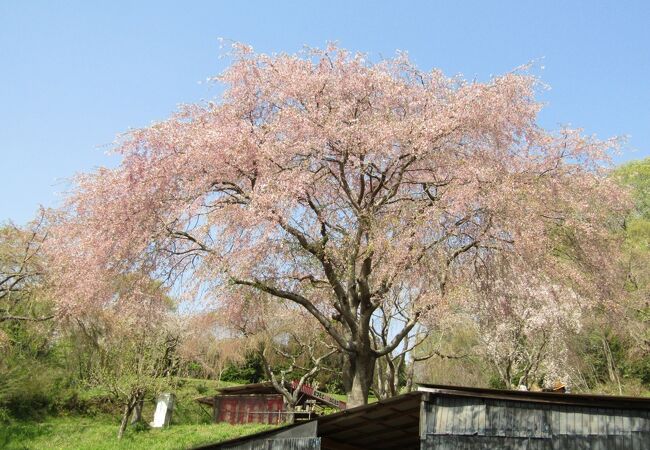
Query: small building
447	417
261	403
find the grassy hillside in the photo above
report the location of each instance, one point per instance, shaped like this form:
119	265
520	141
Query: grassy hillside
98	433
93	423
96	427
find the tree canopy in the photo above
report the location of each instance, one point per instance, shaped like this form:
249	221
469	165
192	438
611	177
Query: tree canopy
340	185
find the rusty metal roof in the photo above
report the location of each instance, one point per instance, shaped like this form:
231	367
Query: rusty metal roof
265	387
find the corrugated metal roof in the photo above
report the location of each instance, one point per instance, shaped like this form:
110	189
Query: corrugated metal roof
596	401
390	424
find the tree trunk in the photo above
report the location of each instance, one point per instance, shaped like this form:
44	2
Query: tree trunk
128	409
358	372
612	370
137	409
410	374
291	412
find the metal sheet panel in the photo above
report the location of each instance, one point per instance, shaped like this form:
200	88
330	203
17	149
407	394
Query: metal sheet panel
249	409
312	443
295	444
478	423
460	416
451	442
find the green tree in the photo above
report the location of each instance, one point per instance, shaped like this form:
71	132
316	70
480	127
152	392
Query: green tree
28	359
635	176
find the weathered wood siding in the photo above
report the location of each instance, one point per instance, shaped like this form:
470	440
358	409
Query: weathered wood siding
481	423
305	443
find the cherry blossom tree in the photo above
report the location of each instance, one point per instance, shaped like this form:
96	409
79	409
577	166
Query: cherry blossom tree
524	323
327	180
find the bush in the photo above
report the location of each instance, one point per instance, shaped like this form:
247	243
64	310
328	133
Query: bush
249	371
140	426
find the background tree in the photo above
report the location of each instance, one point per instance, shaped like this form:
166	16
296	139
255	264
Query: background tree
327	181
616	350
130	347
28	353
524	327
206	353
395	370
636	177
614	353
22	272
292	347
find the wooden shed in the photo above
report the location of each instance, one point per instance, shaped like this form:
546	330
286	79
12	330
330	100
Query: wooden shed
447	417
261	403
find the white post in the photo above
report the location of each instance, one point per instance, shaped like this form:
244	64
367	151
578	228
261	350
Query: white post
164	407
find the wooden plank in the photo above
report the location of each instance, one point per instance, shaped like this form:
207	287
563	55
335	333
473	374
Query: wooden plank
423	423
482	418
441	419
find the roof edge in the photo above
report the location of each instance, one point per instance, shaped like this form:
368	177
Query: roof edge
603	401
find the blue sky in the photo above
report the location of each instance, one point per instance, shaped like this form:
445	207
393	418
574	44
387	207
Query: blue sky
75	74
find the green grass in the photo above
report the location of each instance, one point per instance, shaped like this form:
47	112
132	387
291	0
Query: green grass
100	433
95	427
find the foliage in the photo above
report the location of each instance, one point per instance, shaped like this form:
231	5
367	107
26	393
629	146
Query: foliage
328	181
625	335
453	362
29	357
285	338
636	176
206	353
21	273
523	327
610	353
251	370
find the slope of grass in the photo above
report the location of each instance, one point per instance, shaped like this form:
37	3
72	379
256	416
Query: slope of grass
99	433
95	426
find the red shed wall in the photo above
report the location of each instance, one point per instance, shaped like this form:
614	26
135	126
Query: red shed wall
249	409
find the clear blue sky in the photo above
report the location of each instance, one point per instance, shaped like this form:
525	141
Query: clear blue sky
75	74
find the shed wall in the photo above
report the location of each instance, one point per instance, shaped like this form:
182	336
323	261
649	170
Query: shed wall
299	437
249	409
482	423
